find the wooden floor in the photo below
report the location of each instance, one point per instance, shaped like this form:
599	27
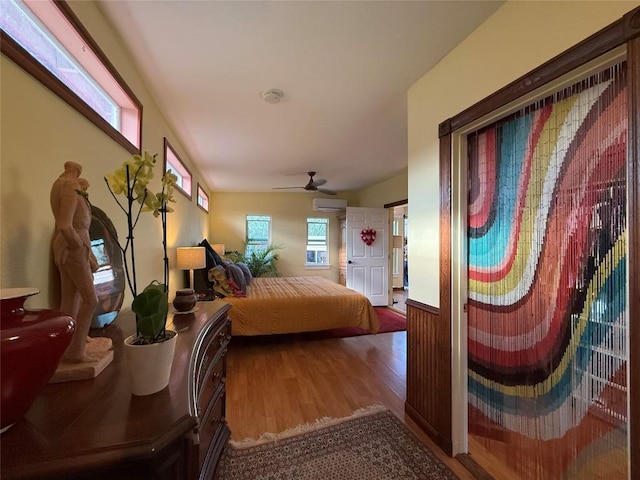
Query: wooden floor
276	383
400	296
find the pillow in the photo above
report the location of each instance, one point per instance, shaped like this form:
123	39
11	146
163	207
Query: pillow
218	278
235	273
247	273
237	292
215	258
201	282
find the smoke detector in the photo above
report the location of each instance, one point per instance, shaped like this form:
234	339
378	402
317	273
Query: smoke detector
273	95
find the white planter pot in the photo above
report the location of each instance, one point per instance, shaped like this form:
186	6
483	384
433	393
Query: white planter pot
149	365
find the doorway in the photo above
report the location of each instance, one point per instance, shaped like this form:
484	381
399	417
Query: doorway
542	299
399	262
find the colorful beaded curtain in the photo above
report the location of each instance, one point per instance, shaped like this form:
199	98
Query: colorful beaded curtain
547	317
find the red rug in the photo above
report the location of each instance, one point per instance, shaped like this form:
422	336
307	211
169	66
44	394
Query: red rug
390	321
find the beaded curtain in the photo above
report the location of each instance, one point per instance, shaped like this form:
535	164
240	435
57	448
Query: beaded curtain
547	316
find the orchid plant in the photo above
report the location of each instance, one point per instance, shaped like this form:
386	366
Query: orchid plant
131	180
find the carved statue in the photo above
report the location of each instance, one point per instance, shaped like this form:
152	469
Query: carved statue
73	256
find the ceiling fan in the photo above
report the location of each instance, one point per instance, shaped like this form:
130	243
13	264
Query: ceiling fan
312	185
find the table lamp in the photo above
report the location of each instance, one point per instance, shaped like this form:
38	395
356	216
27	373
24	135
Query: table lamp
190	258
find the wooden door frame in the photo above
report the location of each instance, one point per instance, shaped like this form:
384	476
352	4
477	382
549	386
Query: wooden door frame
625	31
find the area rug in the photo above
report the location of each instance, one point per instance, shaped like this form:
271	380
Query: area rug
371	444
390	321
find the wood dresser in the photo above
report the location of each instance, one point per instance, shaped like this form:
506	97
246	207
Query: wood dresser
96	429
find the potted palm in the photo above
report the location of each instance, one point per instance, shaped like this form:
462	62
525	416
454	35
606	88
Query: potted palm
261	261
150	351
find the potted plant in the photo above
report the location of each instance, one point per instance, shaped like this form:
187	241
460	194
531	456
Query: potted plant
150	351
261	261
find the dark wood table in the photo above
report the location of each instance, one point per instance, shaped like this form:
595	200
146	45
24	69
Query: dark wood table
97	429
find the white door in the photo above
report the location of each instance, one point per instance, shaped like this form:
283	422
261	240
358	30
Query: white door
368	259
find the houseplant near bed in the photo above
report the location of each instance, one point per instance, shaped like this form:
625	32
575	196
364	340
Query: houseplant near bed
261	262
149	352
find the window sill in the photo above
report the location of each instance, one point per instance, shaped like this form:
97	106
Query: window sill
311	266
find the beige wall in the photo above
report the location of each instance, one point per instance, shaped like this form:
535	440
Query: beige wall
289	213
39	132
389	191
516	39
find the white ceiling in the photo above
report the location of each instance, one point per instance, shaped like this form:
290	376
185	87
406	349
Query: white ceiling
344	68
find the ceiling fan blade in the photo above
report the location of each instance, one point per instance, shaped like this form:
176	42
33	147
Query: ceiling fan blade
312	185
320	181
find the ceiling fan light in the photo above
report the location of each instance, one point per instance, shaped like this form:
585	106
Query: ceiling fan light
272	95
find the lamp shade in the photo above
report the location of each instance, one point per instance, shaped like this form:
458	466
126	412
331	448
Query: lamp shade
397	241
218	248
190	258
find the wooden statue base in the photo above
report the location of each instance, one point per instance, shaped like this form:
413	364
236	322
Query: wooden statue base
100	351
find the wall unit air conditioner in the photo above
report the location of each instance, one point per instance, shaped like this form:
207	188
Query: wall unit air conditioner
329	204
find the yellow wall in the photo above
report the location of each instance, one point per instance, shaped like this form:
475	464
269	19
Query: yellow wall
39	132
516	39
389	191
289	213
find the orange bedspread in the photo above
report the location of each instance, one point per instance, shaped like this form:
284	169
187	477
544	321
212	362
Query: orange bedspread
299	304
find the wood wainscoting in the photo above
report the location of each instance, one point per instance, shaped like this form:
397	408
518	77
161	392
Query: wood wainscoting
428	400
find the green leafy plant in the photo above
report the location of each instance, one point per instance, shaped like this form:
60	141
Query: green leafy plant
151	308
132	181
261	262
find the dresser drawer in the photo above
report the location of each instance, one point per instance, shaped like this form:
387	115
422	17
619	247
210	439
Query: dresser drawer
211	381
213	347
212	425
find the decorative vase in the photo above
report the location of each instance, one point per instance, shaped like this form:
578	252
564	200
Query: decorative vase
185	299
33	342
150	365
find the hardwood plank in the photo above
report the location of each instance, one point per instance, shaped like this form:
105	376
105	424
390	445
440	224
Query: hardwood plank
276	383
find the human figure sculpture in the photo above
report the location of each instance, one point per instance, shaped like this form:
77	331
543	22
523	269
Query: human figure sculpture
73	257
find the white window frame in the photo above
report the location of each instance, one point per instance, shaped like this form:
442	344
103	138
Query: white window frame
251	245
173	163
202	198
78	70
316	243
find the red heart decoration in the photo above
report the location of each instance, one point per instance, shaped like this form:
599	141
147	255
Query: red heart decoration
368	236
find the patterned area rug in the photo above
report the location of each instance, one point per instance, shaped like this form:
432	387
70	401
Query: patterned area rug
372	444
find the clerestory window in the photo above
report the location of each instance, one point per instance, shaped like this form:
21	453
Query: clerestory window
174	164
47	40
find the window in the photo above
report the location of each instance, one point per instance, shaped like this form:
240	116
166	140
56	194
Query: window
47	40
258	233
397	254
203	199
173	164
317	241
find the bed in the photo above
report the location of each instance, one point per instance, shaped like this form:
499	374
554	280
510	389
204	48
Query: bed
276	305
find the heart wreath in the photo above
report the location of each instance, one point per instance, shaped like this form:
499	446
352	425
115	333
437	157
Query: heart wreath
368	236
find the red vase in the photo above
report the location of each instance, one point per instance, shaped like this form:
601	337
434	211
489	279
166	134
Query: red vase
33	342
